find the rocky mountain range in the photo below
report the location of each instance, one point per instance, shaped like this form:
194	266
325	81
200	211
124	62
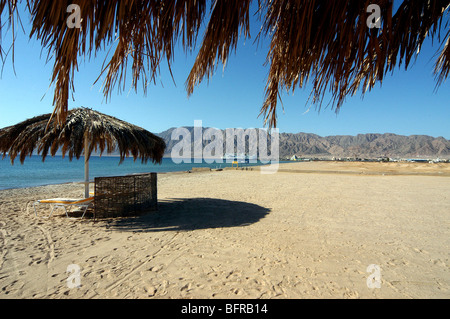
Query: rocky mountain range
359	146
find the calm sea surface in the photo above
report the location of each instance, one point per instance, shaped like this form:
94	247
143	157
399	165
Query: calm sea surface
56	170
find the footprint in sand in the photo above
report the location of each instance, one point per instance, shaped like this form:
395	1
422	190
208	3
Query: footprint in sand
3	243
156	268
49	243
150	290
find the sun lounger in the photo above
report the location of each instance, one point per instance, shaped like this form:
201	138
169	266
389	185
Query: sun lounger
117	196
66	203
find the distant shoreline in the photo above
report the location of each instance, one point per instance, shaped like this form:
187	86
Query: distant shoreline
316	167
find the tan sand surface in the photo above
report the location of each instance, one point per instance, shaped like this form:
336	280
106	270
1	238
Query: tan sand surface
370	168
241	234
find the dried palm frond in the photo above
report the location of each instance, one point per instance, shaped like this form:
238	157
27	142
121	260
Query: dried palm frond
326	42
221	36
330	42
442	67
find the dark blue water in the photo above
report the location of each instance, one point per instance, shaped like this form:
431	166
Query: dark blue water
56	170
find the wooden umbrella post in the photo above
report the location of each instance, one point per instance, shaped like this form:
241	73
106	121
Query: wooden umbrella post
86	167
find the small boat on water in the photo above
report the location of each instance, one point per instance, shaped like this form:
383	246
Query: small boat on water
240	158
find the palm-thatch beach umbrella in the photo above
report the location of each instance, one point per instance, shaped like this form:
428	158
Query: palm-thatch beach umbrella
84	131
327	42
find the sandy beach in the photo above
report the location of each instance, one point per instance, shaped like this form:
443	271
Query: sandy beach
309	231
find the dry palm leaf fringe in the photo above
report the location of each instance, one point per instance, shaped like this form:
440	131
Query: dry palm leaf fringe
326	42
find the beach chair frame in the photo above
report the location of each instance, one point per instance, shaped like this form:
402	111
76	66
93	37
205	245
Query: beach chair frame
115	196
65	203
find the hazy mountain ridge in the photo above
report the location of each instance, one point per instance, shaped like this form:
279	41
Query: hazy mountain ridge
362	145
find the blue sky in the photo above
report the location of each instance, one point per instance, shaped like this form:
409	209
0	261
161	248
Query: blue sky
405	104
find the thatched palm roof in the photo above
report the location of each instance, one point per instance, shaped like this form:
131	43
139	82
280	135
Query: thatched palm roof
101	132
327	42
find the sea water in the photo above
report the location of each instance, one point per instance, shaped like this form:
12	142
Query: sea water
58	170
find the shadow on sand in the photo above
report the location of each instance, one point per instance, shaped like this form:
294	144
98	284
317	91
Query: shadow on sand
192	214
